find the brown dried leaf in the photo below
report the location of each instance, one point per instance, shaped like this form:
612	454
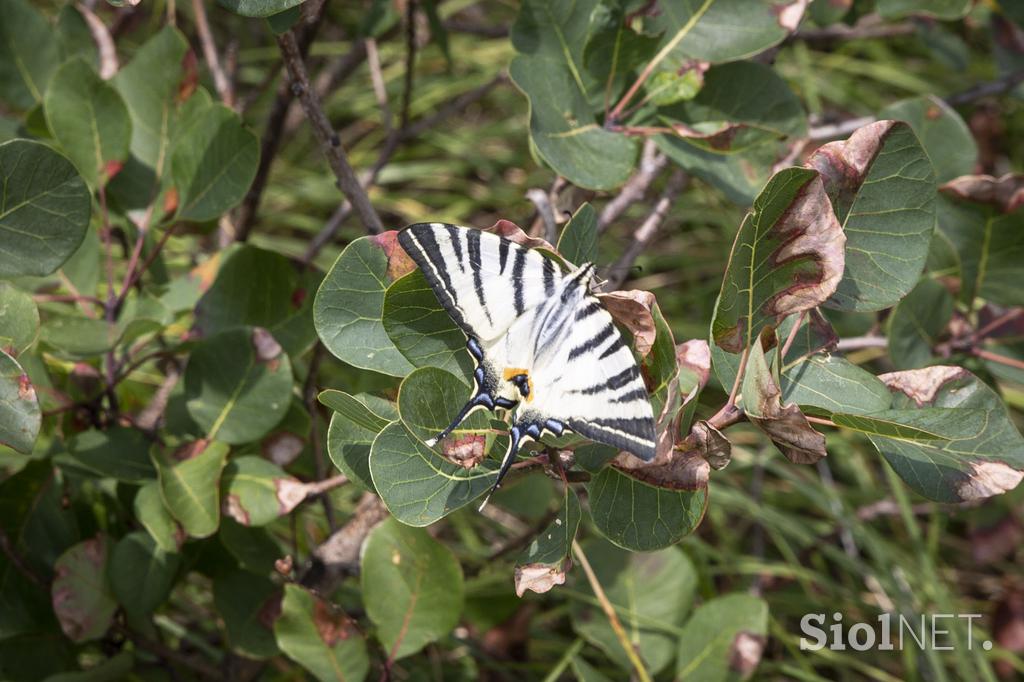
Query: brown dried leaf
695	355
712	445
745	652
266	346
922	385
290	492
232	506
1006	193
538	578
399	262
466	451
331	624
844	164
632	309
986	479
676	469
282	448
721	138
514	233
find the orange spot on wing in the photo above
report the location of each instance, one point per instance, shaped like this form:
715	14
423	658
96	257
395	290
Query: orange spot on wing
511	372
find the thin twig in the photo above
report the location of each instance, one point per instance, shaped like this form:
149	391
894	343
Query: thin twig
1000	359
104	42
652	163
609	612
738	381
995	87
648	228
791	337
416	128
998	322
615	113
542	202
277	126
861	342
220	78
328	139
135	271
379	88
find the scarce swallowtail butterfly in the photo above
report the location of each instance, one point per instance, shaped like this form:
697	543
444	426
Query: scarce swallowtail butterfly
543	344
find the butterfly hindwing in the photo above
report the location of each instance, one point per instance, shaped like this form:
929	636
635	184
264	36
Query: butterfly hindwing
593	385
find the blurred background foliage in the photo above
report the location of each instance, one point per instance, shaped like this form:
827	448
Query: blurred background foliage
778	541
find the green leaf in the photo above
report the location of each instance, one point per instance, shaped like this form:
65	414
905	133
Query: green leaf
717	641
578	241
349	305
651	594
150	84
141	574
238	385
419	486
79	337
90	121
38	530
20	417
253	548
741	105
924	424
943	134
154	516
355	423
237	299
412	587
258	8
917	322
28	54
429	399
882	187
984	453
257	492
825	13
322	641
19	320
639	515
717	30
81	595
44	211
248	603
421	329
832	384
74	37
614	51
117	667
119	452
940	9
739	176
787	257
542	564
213	163
563	128
190	489
990	244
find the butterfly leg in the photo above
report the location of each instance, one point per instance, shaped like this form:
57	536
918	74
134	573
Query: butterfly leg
519	434
484	395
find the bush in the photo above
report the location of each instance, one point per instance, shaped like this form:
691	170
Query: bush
220	374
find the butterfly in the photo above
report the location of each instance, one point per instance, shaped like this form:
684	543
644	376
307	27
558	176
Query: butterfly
543	345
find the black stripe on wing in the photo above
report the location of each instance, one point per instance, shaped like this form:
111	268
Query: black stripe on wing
473	242
419	242
593	343
614	382
636	436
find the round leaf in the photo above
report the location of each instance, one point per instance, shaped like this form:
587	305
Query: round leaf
19	320
190	489
89	120
943	134
248	603
28	54
44	211
141	574
256	491
412	587
20	417
238	385
421	329
237	299
81	595
716	641
640	516
355	423
320	639
119	452
213	163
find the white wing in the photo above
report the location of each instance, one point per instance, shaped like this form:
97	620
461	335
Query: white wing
591	383
484	281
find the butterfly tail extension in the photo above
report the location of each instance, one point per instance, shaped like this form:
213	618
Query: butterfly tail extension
517	436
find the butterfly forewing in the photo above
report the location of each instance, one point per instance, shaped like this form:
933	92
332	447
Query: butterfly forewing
484	281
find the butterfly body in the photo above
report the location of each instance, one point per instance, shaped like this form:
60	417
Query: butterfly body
543	344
